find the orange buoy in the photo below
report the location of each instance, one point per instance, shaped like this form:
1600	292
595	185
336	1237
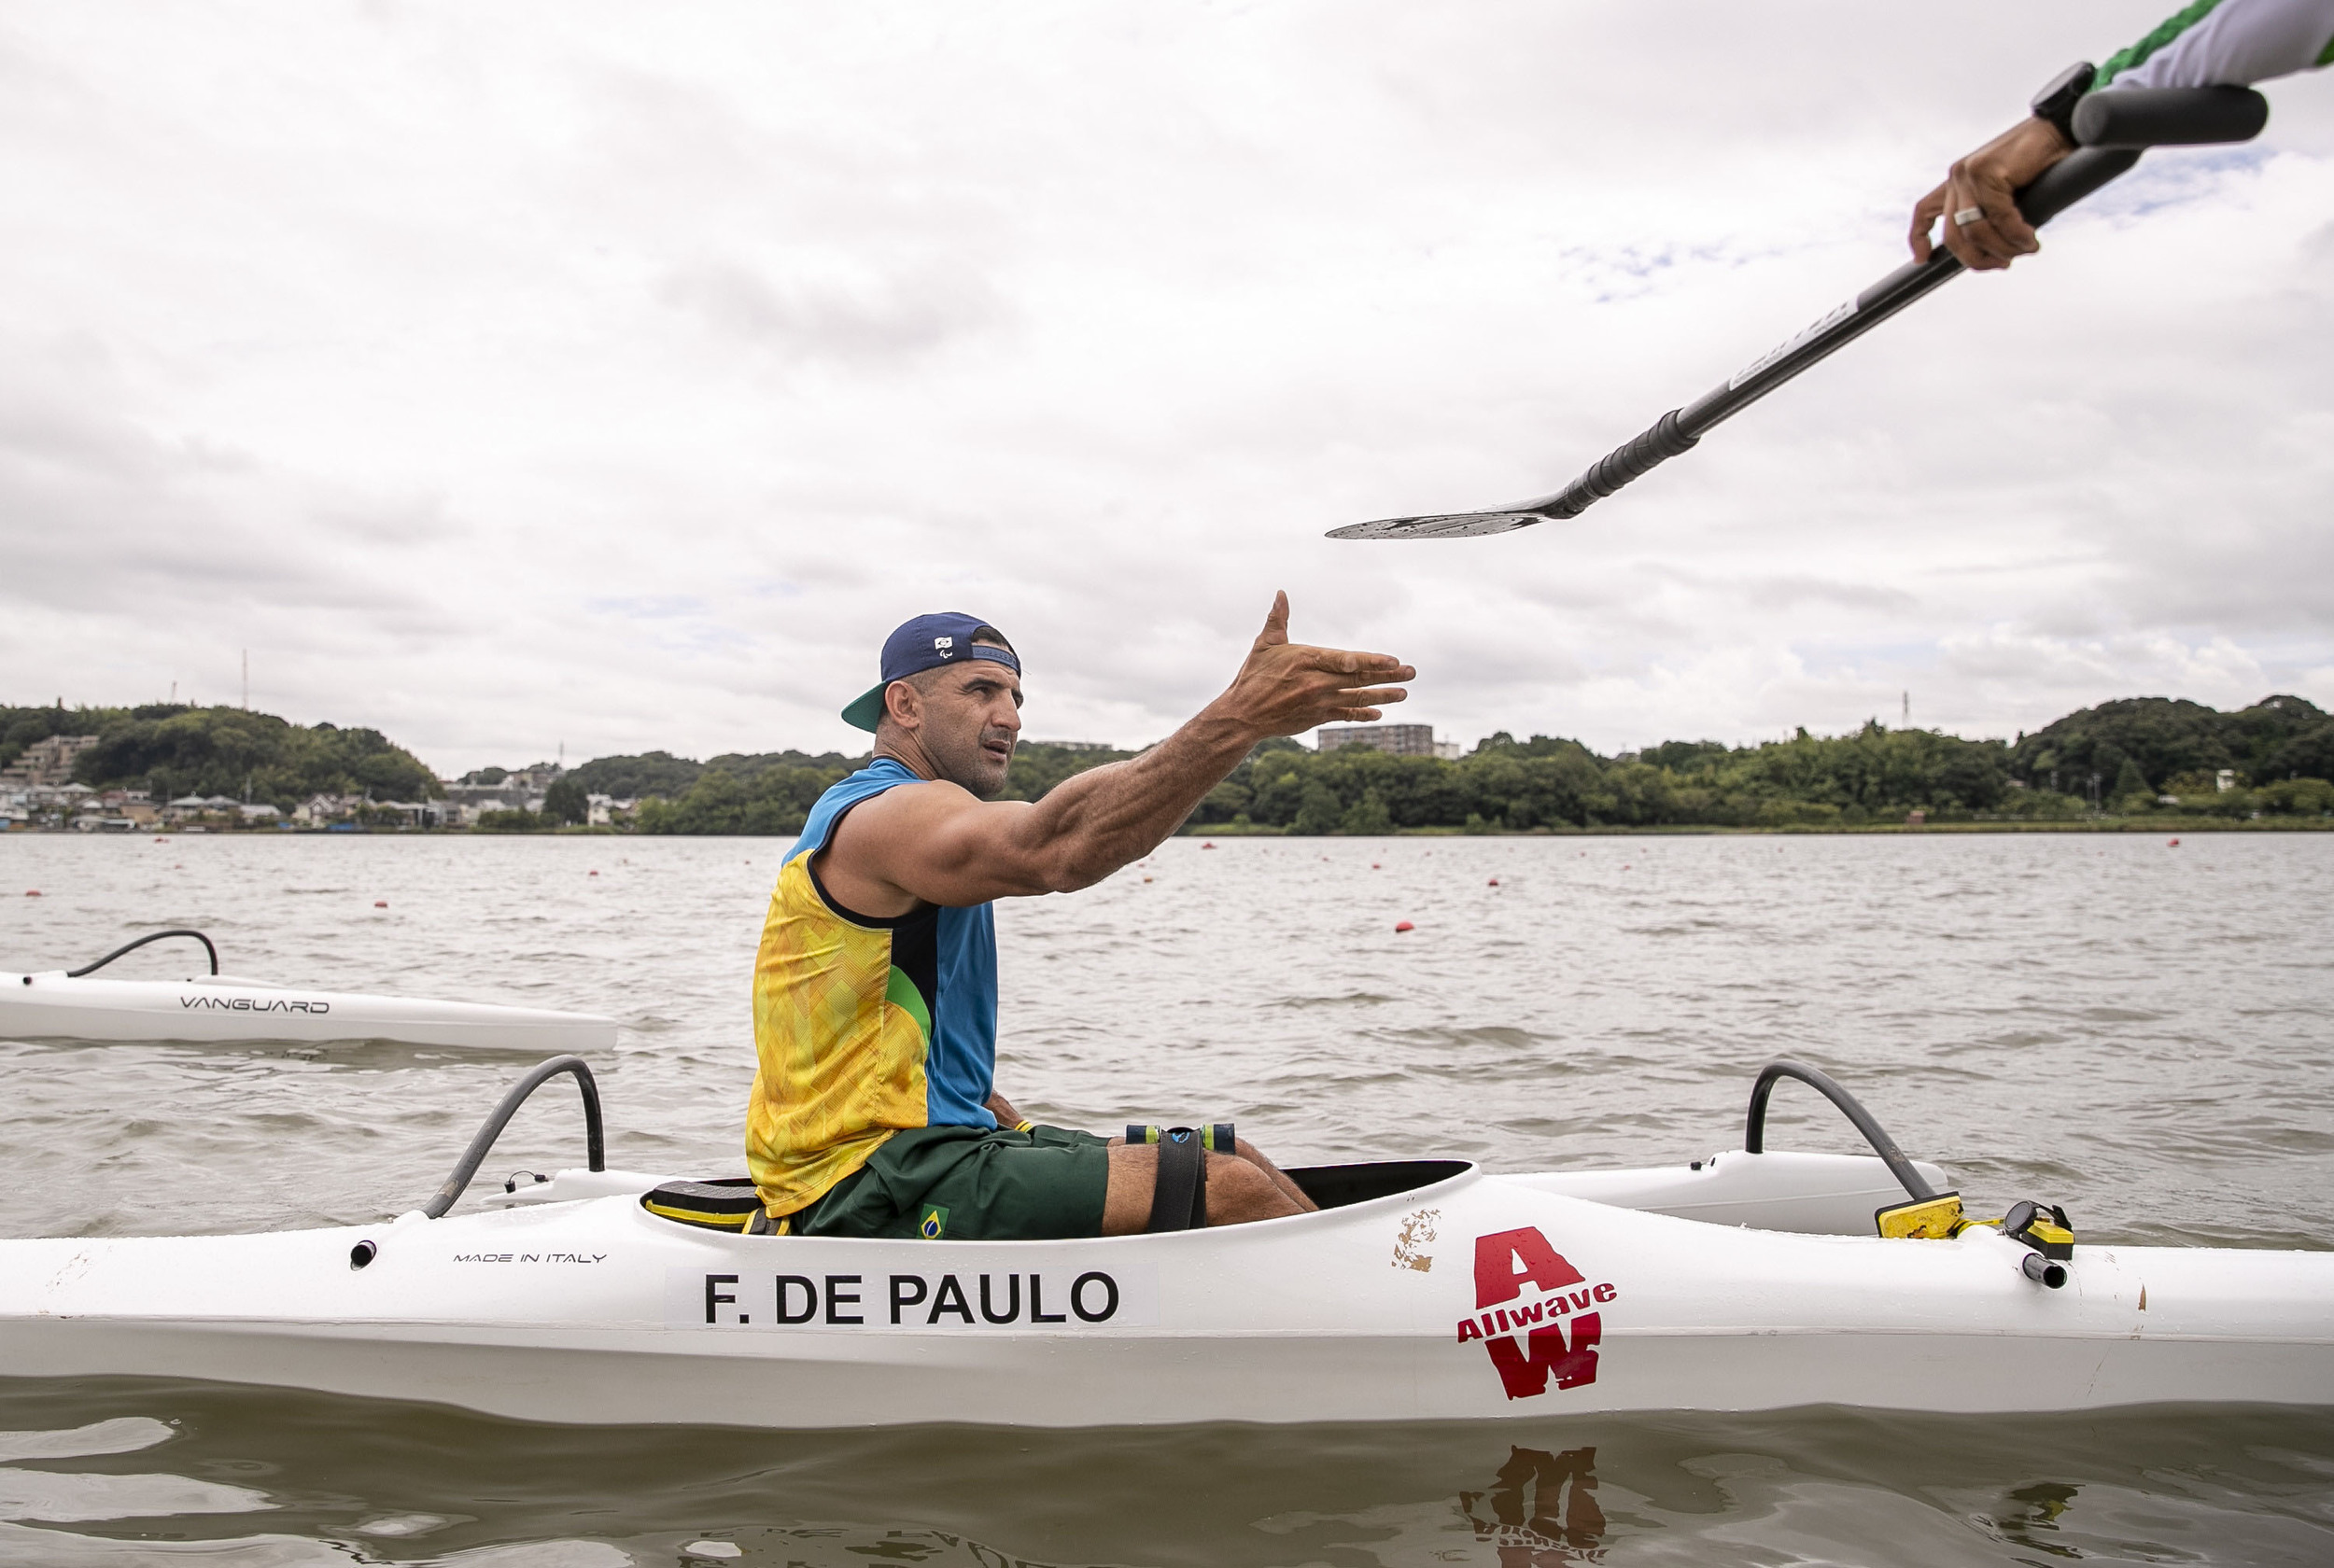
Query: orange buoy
1147	879
1400	926
380	903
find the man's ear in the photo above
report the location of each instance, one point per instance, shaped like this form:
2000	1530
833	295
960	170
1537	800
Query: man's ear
904	704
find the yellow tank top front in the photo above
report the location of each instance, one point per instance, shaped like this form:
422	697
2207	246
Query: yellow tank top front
839	1035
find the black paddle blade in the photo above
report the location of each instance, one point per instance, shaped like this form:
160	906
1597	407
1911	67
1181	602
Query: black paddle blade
1448	525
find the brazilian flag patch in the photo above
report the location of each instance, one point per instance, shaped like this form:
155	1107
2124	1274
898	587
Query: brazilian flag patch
935	1223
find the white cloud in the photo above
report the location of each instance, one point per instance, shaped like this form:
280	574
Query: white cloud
509	376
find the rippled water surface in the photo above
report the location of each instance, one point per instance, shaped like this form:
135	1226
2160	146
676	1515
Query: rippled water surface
2140	1031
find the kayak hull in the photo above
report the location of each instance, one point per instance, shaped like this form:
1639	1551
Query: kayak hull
213	1009
1476	1297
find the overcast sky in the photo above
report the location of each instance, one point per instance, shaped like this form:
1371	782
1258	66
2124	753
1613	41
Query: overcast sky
507	376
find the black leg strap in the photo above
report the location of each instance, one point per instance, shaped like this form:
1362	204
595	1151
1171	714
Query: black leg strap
1179	1196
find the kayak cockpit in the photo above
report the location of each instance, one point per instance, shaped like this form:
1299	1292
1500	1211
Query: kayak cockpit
1340	1186
1810	1193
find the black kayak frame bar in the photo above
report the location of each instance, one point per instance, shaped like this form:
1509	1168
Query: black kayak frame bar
2114	125
1774	1072
483	1142
208	945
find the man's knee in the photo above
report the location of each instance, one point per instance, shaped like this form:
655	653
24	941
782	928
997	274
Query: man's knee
1237	1191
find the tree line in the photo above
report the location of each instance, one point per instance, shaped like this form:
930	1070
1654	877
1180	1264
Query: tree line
2126	758
2120	757
170	750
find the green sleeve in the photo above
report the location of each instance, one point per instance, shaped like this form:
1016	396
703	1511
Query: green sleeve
2163	32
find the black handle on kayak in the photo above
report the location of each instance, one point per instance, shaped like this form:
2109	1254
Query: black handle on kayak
2138	117
150	936
473	1158
1754	1128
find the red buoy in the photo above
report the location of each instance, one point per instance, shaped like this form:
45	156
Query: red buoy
1375	866
2173	845
32	892
1400	926
595	874
1495	881
1208	846
380	903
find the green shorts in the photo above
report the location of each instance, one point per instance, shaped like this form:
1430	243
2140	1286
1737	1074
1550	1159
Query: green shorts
961	1184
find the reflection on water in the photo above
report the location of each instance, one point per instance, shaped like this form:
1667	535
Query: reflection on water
145	1471
1543	1510
2141	1033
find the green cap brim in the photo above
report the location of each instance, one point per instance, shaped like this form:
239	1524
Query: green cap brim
866	709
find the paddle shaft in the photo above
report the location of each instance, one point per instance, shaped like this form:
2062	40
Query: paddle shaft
2060	186
2114	127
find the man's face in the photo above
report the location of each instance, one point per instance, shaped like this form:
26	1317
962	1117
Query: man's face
969	716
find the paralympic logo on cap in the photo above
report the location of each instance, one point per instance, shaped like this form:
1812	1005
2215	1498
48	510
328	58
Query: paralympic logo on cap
945	645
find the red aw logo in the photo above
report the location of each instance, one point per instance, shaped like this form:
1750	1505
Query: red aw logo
1505	1262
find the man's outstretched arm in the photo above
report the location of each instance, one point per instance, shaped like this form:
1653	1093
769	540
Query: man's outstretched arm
936	843
2212	43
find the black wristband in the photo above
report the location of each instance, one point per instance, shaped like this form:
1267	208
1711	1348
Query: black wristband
2055	101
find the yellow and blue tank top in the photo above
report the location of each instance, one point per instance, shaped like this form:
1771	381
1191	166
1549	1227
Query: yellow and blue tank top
863	1026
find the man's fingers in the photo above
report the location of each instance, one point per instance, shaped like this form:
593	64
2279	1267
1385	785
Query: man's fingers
1925	213
1344	661
1276	623
2010	229
1381	694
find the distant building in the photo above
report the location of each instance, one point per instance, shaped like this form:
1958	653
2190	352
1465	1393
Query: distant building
1074	745
465	802
1398	740
46	763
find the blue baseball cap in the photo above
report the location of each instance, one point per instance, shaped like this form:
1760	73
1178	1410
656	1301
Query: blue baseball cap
928	642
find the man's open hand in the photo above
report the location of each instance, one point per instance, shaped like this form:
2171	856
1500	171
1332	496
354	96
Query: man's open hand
1989	180
1286	688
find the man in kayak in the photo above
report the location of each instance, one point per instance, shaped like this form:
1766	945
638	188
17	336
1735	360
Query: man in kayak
875	1110
2211	43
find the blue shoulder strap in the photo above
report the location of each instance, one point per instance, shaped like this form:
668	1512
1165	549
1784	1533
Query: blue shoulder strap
869	782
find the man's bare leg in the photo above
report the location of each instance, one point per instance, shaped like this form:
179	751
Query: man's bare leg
1295	1193
1237	1191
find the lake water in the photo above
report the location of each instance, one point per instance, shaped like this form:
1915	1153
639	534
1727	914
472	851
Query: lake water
2143	1033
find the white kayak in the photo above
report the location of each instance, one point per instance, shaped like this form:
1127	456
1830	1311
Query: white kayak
215	1007
1423	1290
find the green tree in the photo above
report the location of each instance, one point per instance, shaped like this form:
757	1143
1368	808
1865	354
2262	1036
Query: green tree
1319	811
564	802
1367	817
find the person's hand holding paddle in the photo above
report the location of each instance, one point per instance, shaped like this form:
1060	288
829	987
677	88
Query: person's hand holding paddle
1978	199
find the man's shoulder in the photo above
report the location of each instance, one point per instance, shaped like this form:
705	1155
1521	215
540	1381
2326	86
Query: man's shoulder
885	791
902	799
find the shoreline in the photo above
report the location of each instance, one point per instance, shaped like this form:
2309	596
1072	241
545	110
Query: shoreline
2174	826
1828	830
